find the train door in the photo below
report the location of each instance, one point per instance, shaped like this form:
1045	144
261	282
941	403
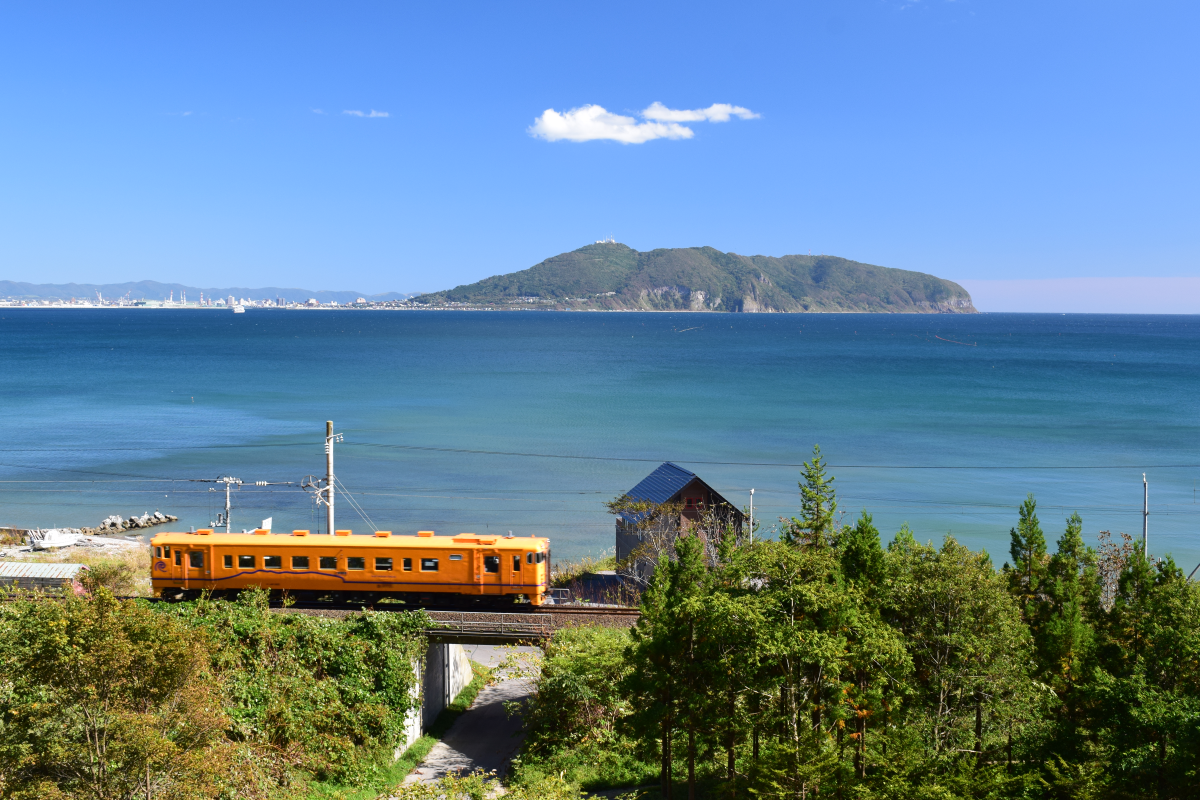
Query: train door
490	576
195	567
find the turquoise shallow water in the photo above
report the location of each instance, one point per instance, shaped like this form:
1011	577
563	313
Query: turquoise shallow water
109	411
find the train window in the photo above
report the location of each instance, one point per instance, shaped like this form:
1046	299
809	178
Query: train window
383	565
356	562
516	563
196	559
167	551
158	552
408	565
540	558
491	563
299	562
456	557
429	565
228	562
273	562
328	562
178	557
529	558
245	562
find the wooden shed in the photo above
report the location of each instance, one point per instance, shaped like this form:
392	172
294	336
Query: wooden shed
672	484
28	576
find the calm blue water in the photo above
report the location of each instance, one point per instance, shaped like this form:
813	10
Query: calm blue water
108	411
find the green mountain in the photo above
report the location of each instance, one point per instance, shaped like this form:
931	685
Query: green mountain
611	276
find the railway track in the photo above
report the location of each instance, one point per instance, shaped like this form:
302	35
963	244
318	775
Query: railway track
554	609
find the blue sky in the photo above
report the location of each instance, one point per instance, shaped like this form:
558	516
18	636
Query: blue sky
977	140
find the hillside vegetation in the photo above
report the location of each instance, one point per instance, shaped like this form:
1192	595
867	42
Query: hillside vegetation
612	276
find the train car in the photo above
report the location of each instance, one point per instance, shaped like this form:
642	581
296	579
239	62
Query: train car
423	568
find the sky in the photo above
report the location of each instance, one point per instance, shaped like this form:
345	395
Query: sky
417	146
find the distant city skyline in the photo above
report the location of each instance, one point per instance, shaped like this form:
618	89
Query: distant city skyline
416	148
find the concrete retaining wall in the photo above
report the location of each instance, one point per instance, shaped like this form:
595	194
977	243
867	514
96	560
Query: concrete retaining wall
446	672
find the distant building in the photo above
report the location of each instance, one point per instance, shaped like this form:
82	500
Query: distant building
672	484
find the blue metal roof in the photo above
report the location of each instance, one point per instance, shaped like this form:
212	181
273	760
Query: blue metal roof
658	487
662	484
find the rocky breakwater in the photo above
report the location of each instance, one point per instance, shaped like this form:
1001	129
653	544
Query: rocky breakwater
115	524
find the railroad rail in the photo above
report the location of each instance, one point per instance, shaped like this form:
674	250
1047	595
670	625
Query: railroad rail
520	624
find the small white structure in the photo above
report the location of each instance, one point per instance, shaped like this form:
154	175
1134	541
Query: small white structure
48	540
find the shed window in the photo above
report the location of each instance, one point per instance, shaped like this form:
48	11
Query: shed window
178	557
408	565
456	556
491	563
273	562
328	562
246	562
383	565
429	565
228	562
516	563
299	562
196	559
356	562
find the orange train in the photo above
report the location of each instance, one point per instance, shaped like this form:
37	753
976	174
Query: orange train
422	568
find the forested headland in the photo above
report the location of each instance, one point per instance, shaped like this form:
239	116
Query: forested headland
830	663
609	276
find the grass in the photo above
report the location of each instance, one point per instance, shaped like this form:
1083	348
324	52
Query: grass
564	572
395	772
593	766
124	571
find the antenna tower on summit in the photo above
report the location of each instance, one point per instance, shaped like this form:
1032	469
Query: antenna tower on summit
609	240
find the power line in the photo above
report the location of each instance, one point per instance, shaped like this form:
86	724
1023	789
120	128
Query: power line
765	463
625	459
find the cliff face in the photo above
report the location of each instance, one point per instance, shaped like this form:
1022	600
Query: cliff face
613	276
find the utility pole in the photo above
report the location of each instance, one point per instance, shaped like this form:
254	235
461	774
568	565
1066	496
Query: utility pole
330	439
229	483
752	515
1145	518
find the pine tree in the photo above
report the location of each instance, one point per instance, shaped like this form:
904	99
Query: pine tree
818	506
1028	551
861	555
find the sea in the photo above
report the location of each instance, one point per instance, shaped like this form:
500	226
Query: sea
528	422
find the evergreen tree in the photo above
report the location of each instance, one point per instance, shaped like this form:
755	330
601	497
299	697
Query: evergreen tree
1065	638
1028	551
1147	687
970	653
861	555
652	685
818	505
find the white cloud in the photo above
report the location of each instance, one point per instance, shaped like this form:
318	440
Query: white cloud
717	112
371	114
317	111
592	122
